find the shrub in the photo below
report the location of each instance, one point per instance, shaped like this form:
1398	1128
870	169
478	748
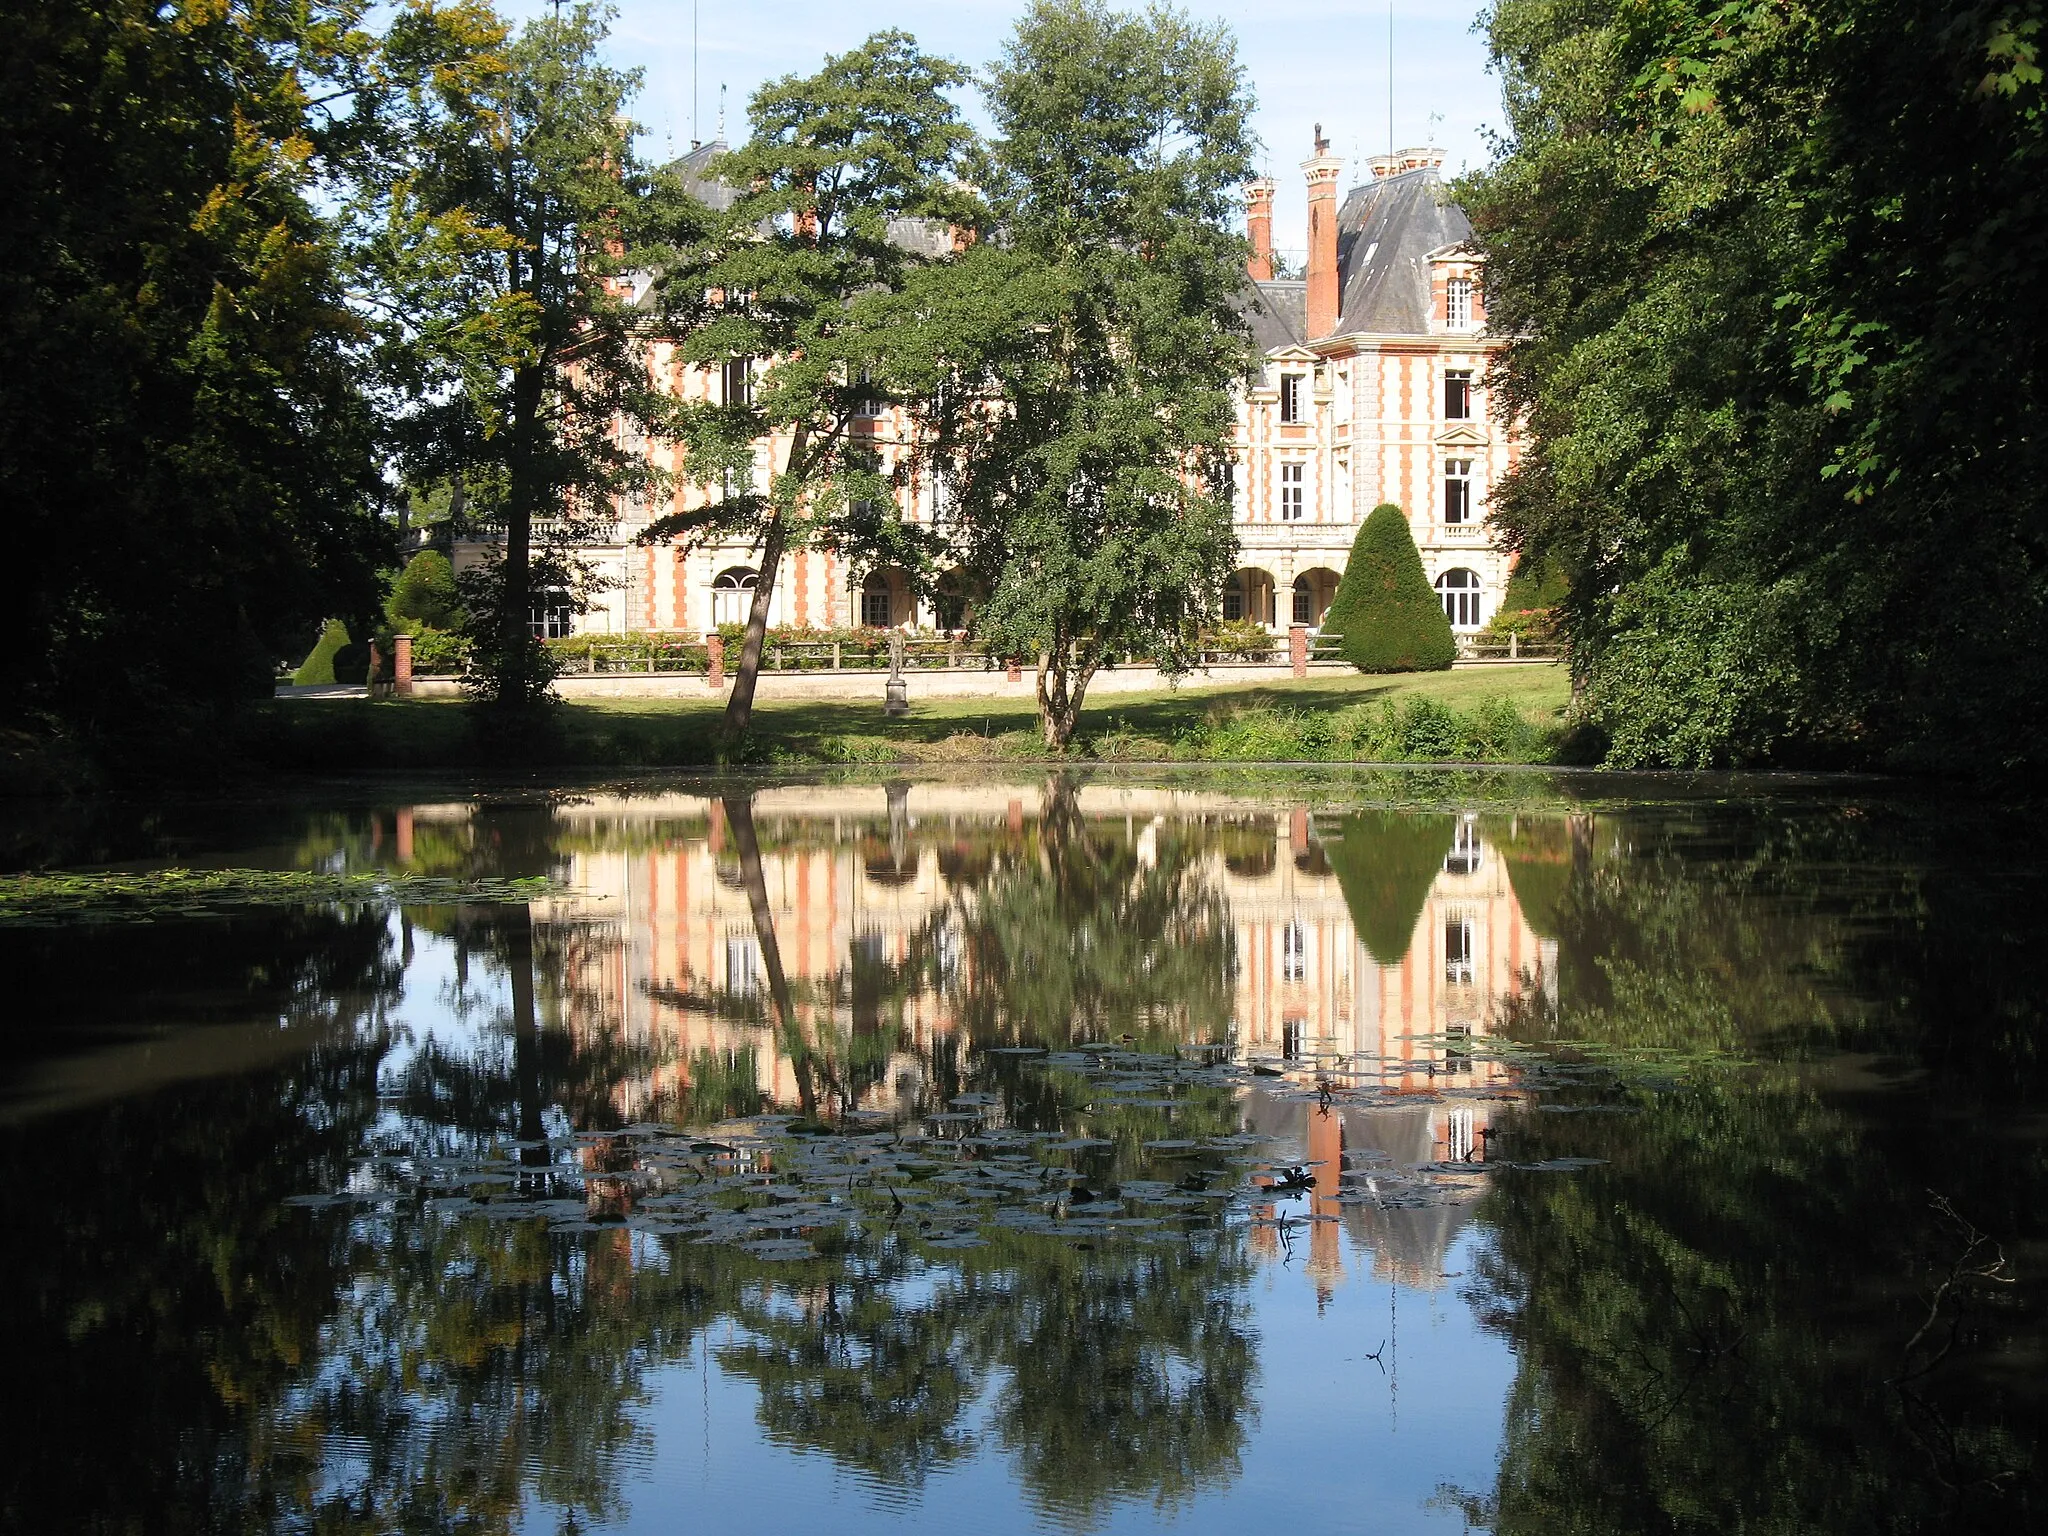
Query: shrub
1245	638
318	667
1389	616
437	651
423	596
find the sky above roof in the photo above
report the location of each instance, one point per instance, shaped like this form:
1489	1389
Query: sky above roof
1308	61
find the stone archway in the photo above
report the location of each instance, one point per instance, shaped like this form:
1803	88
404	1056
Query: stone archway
1249	594
1310	596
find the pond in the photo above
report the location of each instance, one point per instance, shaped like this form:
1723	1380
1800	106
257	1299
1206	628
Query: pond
1111	1152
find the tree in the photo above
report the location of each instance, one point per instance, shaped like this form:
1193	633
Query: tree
186	456
1771	279
1387	614
1083	359
495	237
771	294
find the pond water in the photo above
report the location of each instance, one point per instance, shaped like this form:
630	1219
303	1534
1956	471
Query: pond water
1403	1152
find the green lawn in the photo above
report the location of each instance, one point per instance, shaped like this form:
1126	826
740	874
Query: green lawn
1328	718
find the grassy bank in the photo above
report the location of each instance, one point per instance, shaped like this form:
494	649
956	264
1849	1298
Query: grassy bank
1490	715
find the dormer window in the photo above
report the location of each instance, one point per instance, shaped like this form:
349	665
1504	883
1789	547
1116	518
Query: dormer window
1290	396
1458	395
1458	303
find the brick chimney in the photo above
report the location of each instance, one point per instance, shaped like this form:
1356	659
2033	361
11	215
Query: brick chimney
1322	170
1258	220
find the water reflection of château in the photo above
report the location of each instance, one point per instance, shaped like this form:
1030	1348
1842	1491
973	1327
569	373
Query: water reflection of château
1368	950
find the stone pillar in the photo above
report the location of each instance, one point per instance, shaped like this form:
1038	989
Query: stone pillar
1297	649
401	665
1015	671
714	674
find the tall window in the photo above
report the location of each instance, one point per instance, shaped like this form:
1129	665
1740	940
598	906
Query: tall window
1290	396
867	400
1457	490
551	616
1459	1137
1458	951
742	964
739	381
1293	492
1467	851
874	601
1458	302
1304	600
1458	395
1460	591
1293	952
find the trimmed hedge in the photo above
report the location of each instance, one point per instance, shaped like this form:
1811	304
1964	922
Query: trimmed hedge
424	594
1388	615
318	667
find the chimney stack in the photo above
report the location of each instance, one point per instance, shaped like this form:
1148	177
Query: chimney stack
1258	220
1322	170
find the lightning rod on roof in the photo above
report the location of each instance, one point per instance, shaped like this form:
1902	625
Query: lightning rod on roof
696	137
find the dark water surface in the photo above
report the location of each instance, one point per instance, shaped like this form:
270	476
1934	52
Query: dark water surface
1334	1152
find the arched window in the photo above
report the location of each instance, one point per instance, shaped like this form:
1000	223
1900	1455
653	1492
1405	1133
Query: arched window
874	601
1304	600
1460	591
732	594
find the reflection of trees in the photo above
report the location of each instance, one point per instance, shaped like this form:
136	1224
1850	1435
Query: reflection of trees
1073	936
1742	1283
1130	1374
153	1271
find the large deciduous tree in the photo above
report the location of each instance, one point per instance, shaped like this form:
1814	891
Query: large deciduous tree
781	294
497	239
1772	279
1084	356
186	459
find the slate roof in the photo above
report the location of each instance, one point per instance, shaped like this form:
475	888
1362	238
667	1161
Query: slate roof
927	237
708	190
1385	232
1278	313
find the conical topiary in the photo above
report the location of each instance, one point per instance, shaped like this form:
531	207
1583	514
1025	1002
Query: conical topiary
1388	615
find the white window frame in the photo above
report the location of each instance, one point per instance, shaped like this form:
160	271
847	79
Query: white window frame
1458	303
1461	600
1457	492
876	586
1452	378
1293	492
1291	386
1294	951
732	594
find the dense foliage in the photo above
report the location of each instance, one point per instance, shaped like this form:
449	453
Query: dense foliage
1772	278
836	165
1388	616
186	452
1082	360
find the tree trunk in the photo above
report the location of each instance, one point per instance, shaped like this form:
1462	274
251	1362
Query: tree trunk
739	709
739	820
1063	681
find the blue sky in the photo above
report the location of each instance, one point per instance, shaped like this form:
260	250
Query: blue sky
1309	61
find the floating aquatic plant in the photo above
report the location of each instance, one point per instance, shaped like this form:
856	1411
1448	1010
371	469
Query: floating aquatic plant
57	900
